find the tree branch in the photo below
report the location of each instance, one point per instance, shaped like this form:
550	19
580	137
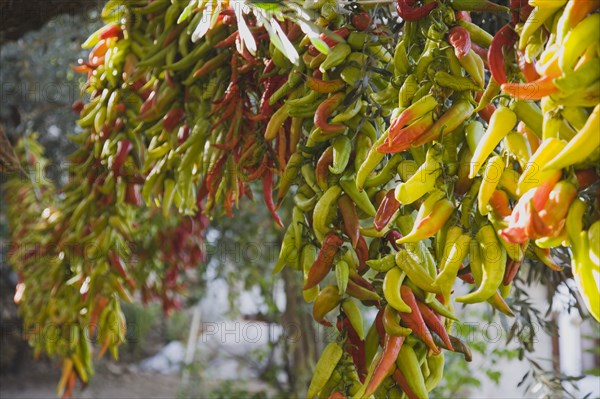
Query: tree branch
18	17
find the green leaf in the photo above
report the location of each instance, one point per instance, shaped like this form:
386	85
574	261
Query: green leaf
310	30
187	11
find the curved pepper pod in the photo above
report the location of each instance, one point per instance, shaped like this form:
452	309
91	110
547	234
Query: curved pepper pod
580	147
324	111
409	375
391	289
326	301
415	321
504	39
460	39
391	322
386	210
386	364
493	265
351	225
409	13
501	123
327	363
324	262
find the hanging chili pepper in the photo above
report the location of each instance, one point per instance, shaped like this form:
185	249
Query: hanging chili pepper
325	302
362	253
173	118
414	320
463	16
434	323
267	186
123	149
409	374
504	39
512	268
535	90
409	13
324	262
361	293
350	217
324	111
386	210
322	167
460	39
465	275
386	363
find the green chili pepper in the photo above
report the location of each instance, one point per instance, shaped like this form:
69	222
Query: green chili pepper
328	361
408	364
493	265
336	56
342	147
322	213
360	198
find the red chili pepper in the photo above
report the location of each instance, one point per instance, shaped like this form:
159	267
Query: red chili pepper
586	177
175	31
351	226
117	264
465	275
405	137
324	261
414	320
403	383
386	210
361	293
322	167
83	68
409	13
504	39
482	52
433	321
113	30
324	86
325	110
379	324
123	149
386	364
258	173
512	268
132	194
488	111
173	118
362	253
534	90
77	106
392	236
460	39
355	347
267	185
500	204
228	41
519	11
330	41
294	31
272	84
463	16
361	21
148	105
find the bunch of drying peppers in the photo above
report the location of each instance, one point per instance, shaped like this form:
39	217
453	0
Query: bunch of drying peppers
419	151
